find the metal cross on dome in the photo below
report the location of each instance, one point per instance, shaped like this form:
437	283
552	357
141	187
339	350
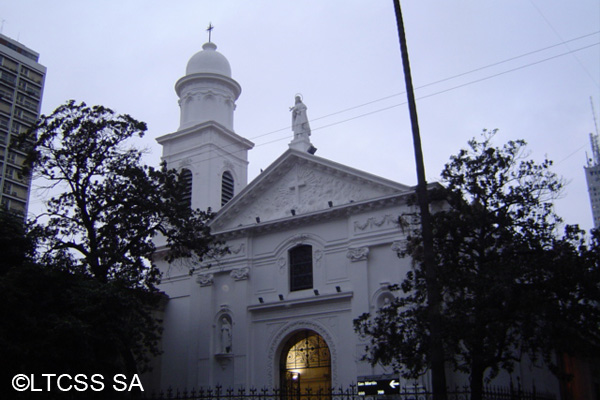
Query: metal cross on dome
209	30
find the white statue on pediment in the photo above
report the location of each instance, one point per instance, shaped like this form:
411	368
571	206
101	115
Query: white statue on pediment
300	125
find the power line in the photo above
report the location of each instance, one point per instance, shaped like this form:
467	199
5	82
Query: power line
434	83
512	70
428	95
458	86
435	93
565	43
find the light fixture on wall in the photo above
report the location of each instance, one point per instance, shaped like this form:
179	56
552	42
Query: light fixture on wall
316	292
338	289
258	220
280	296
293	211
330	203
261	300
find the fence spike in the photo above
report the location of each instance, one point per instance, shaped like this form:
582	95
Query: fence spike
412	392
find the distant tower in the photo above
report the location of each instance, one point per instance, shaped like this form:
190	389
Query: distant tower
21	87
213	156
592	175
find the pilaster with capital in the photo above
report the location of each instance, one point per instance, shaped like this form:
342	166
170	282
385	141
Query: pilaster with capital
358	256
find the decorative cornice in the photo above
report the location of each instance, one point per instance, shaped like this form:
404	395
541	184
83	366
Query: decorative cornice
188	80
317	216
305	301
375	222
202	126
205	280
358	254
240	274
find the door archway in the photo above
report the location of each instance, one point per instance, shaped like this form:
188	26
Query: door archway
305	363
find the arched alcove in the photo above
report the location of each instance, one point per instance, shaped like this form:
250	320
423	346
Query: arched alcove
280	340
305	364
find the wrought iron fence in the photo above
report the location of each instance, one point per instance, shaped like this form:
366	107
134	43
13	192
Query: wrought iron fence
406	393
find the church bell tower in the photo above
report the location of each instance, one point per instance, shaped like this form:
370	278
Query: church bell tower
212	155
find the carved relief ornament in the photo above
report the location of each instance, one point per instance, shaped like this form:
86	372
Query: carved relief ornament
240	274
358	254
241	249
205	280
374	222
299	238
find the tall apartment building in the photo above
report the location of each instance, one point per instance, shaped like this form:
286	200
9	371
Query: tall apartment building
592	175
21	87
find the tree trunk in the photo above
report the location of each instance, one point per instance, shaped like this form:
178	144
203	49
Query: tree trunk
476	384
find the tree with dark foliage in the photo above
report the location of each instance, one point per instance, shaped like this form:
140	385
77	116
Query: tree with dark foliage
110	206
509	285
85	300
13	243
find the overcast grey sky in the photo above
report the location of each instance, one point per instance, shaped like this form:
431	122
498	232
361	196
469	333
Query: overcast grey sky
343	56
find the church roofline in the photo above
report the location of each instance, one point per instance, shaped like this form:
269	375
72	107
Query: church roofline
242	197
317	216
186	131
350	170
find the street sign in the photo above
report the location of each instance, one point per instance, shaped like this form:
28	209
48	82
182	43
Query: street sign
378	387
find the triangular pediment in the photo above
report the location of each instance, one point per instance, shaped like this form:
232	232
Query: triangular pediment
304	183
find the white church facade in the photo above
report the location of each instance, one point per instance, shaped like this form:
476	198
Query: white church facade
313	245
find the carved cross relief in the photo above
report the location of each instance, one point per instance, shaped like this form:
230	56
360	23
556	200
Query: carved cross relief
295	188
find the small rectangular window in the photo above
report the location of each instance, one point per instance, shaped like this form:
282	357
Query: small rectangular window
301	271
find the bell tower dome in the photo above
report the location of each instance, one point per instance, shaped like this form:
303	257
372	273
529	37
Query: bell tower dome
207	92
205	143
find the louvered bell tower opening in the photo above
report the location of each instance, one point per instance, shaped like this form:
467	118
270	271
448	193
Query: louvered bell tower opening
226	187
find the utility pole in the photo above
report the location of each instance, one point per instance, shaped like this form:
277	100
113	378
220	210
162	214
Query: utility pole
436	350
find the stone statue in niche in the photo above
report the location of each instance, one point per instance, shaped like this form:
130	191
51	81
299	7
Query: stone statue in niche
226	340
300	125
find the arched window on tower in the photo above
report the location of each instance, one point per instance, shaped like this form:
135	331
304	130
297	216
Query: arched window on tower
301	268
226	187
186	196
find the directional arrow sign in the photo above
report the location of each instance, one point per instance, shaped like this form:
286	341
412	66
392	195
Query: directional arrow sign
378	387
